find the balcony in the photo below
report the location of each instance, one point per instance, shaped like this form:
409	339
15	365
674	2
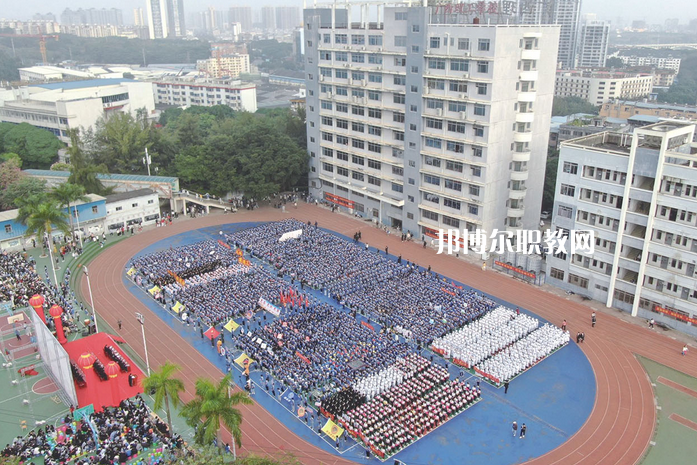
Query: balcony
522	136
526	96
528	75
530	55
519	175
516	212
517	194
524	117
522	156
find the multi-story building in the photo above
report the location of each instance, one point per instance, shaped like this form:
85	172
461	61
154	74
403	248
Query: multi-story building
166	18
242	15
138	17
176	18
598	87
287	17
663	78
185	92
30	27
655	62
50	73
133	208
427	120
268	18
221	49
60	106
92	30
103	16
626	109
592	44
564	13
638	194
228	65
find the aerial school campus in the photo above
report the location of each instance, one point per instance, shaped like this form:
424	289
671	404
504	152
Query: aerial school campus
352	354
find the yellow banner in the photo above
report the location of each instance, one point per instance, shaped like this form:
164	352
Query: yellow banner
243	360
131	272
154	290
231	326
332	430
178	307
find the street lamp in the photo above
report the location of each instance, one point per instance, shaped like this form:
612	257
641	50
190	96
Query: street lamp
147	160
94	310
79	232
141	320
50	255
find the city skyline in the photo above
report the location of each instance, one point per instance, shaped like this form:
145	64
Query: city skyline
653	13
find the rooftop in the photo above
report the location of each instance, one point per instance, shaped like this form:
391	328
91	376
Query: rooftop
128	195
619	143
110	176
654	106
69	85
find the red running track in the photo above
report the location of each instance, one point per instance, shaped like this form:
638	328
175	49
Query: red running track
618	430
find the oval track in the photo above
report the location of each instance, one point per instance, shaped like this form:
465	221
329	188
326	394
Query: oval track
618	430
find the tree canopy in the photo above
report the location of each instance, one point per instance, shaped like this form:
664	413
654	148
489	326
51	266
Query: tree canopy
38	148
563	106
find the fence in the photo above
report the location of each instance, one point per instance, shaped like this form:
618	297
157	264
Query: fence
56	360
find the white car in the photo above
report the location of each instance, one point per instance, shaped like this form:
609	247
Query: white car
545	215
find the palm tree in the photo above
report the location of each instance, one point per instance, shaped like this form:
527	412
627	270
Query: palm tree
68	193
166	388
214	406
42	216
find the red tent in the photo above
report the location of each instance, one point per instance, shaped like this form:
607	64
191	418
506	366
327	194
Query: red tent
212	333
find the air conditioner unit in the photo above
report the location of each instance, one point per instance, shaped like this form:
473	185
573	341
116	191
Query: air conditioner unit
346	65
354	99
466	54
363	82
321	77
463	115
439	112
329	95
463	96
427	90
466	75
428	52
363	48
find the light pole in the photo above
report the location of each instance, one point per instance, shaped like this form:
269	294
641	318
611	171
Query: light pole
147	160
94	310
79	232
49	242
141	320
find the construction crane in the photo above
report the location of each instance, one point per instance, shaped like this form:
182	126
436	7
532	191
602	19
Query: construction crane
42	41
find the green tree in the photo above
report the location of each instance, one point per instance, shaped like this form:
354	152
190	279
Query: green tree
214	407
211	455
614	62
550	180
42	216
58	166
564	106
167	388
120	141
38	148
66	194
9	67
24	187
83	171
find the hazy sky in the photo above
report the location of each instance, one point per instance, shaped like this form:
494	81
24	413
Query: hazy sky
650	10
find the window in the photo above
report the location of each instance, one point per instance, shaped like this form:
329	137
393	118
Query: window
455	223
372	77
341	123
151	202
400	16
400	41
328	167
431	198
342	108
415	69
398	117
360	93
326	105
413	108
557	274
327	121
375	40
564	212
481	88
578	281
571	168
478	131
95	210
436	63
437	84
327	152
484	45
435	42
399	80
374	113
430	161
454	126
342	155
450	203
375	130
327	72
358	127
376	165
459	65
8	229
341	74
434	143
429	215
479	109
341	171
357	76
327	136
325	56
473	209
454	166
340	38
357	58
415	28
474	190
567	189
457	107
373	147
476	171
483	67
357	176
434	104
428	179
463	44
398	170
340	56
415	49
397	187
399	98
434	123
375	59
398	135
477	151
374	181
456	86
359	111
326	38
357	39
357	144
400	61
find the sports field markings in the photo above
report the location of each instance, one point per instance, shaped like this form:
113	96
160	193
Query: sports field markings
683	421
677	386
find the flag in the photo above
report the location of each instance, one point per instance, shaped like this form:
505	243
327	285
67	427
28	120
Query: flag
332	430
231	325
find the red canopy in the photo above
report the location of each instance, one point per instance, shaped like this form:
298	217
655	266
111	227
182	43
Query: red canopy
212	333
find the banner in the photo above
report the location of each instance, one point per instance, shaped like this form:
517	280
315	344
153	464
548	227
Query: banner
83	413
244	261
178	307
239	252
515	269
303	358
223	244
231	325
447	291
332	430
154	290
291	235
674	314
338	200
269	307
178	280
243	360
130	272
368	325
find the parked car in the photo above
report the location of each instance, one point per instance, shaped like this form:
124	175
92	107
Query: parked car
545	215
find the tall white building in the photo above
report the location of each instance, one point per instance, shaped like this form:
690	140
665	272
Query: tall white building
592	44
185	92
427	120
638	194
656	62
564	13
598	87
166	18
242	15
268	18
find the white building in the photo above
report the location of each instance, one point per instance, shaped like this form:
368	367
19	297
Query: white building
655	62
231	65
185	92
600	87
61	106
126	209
564	13
50	73
638	194
427	120
592	44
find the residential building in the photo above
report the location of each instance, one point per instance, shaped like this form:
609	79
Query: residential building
184	92
268	18
60	106
90	214
287	17
92	30
225	66
138	18
103	16
176	18
626	109
50	73
166	18
592	44
242	15
663	78
420	124
655	62
564	13
299	44
598	87
221	49
30	27
637	193
131	209
581	125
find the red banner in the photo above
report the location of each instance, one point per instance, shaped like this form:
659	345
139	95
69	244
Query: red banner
223	244
338	200
179	280
462	363
487	375
515	269
368	325
303	358
674	314
447	291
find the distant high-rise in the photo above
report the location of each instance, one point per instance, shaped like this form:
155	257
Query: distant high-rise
592	44
46	17
565	13
113	17
166	18
287	17
242	15
138	18
268	18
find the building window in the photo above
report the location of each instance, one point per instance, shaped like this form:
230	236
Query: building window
478	131
463	44
94	208
428	179
375	40
151	201
578	281
557	274
454	222
459	65
397	187
484	45
8	229
454	185
435	42
473	209
400	16
565	212
474	190
568	190
415	28
400	41
479	109
450	203
327	167
483	67
571	168
357	176
481	88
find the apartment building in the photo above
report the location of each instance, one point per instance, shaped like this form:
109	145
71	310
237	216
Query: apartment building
424	120
638	194
228	65
564	13
592	44
206	92
655	62
598	87
626	109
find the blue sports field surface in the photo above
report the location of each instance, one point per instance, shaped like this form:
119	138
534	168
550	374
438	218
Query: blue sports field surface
553	399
